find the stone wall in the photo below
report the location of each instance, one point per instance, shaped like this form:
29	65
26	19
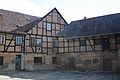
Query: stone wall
86	61
45	65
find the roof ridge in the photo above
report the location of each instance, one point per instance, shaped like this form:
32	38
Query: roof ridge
18	12
96	17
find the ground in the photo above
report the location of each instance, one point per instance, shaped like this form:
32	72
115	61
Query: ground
57	75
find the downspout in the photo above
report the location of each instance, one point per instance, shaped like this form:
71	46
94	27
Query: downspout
24	52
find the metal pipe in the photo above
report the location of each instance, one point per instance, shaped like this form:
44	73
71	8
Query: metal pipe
24	51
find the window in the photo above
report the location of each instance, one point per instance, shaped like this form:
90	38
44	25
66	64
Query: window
55	43
49	26
2	40
18	40
97	41
88	62
38	41
118	40
34	41
82	42
37	60
95	61
1	60
105	44
54	60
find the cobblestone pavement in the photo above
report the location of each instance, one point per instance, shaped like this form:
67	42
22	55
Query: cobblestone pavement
57	75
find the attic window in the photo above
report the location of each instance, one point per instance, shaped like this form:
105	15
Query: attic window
79	26
27	19
0	14
18	25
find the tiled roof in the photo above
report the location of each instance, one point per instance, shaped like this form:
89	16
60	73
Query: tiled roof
27	27
10	20
102	25
30	25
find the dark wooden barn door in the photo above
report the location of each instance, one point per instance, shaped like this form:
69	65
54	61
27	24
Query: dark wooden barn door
107	65
72	63
105	44
18	62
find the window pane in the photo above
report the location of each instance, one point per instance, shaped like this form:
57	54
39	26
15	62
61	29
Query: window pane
49	26
0	39
54	60
18	40
97	41
35	41
38	41
37	60
118	40
82	42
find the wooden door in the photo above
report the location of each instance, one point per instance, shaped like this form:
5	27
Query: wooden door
18	62
107	65
72	63
105	44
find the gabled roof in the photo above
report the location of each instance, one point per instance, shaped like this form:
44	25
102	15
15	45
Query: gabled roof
10	20
102	25
29	26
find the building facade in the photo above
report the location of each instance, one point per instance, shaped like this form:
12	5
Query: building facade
29	45
91	44
49	42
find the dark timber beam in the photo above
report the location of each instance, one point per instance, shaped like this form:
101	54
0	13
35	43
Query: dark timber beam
9	43
90	44
30	45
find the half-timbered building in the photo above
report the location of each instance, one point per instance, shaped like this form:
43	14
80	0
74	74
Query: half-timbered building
26	42
91	44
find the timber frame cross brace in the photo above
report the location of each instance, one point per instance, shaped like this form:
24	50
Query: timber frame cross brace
9	43
91	44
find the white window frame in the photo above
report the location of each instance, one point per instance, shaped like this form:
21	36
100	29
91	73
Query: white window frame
18	40
0	39
2	42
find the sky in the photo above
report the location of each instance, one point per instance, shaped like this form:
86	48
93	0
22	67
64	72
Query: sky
71	10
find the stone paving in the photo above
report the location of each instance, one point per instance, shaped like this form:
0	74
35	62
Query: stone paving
57	75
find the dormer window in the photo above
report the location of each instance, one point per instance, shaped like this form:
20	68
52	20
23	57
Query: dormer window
0	14
109	21
18	25
28	19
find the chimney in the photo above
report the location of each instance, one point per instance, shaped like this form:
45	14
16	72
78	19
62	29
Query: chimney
84	17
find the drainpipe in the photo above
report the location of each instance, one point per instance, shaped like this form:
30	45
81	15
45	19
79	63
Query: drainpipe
119	57
24	52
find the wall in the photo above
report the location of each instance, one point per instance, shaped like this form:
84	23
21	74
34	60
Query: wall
79	59
8	61
46	62
89	53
